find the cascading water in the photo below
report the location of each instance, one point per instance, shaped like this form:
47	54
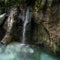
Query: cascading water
2	17
26	21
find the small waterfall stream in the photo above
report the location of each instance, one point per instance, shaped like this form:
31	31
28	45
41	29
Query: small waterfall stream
26	21
2	17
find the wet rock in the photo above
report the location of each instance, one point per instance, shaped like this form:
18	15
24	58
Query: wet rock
51	22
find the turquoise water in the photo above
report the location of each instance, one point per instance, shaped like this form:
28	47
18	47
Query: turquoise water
18	51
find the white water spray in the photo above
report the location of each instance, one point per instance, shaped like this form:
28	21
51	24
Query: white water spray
2	17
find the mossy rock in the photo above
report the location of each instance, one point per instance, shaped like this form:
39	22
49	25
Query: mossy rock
40	34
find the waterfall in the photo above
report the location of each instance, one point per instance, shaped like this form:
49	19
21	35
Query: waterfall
26	21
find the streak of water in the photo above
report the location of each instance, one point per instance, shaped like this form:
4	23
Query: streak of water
26	21
10	20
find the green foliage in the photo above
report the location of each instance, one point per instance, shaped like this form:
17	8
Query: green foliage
2	6
5	4
39	4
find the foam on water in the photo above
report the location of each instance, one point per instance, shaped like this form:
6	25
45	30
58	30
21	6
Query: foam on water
18	51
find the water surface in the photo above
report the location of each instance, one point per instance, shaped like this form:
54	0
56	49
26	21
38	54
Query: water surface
18	51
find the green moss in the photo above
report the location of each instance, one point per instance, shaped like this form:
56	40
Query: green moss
58	49
39	4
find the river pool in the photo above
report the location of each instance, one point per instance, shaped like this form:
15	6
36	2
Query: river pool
18	51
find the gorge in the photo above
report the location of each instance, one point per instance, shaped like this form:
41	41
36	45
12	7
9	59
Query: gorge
29	29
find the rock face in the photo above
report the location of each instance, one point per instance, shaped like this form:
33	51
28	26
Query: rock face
49	19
